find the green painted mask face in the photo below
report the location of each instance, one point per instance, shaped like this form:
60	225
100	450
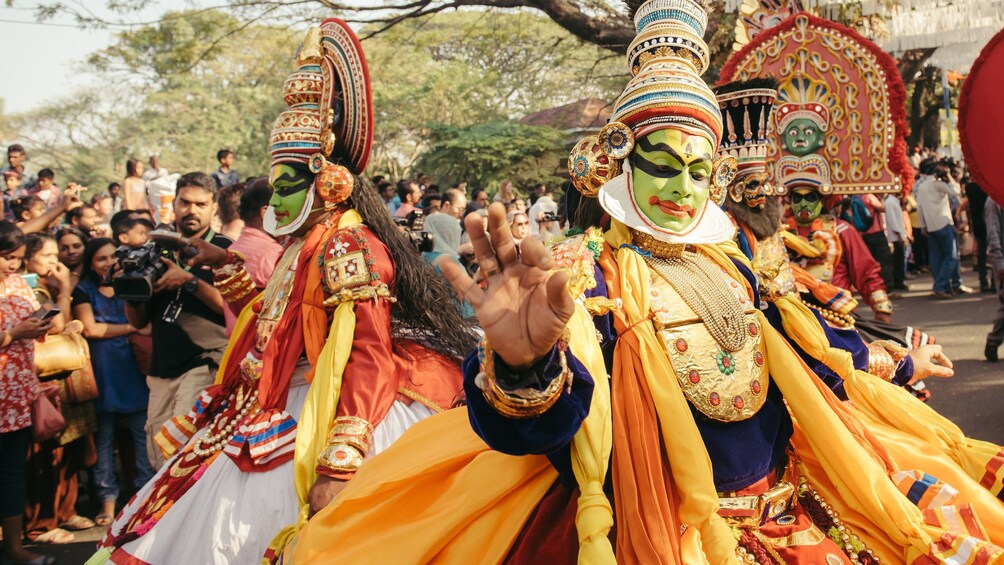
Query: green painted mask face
806	205
672	177
802	137
290	187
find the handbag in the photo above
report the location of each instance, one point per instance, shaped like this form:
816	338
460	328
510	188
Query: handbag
61	353
46	419
80	386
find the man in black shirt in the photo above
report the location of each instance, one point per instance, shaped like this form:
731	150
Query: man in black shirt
186	312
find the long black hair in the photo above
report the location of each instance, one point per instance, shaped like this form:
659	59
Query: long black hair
425	310
11	237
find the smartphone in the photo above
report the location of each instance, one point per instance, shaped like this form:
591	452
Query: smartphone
31	279
46	314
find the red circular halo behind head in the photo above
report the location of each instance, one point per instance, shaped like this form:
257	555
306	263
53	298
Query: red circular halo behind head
981	119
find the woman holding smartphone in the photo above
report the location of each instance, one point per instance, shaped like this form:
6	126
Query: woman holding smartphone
53	466
19	328
122	391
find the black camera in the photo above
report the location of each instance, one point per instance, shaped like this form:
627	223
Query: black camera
139	269
414	226
551	217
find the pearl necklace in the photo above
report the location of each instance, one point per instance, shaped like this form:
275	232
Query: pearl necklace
209	443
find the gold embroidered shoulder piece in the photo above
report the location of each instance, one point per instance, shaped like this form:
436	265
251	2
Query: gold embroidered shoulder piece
349	269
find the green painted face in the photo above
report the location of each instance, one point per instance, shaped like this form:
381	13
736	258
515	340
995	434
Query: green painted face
290	187
672	177
806	205
802	137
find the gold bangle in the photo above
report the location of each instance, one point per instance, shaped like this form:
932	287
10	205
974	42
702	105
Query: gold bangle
521	403
880	302
341	457
884	357
353	431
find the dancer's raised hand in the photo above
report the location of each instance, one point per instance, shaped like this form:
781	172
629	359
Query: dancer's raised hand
525	308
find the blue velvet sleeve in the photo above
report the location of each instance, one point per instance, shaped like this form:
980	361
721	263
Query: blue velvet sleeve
550	433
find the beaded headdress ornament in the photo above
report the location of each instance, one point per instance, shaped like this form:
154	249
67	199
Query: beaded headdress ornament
746	108
328	127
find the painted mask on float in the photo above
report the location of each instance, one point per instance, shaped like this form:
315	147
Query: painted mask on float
653	167
323	140
806	205
746	108
802	137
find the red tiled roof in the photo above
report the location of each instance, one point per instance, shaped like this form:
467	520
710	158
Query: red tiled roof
586	113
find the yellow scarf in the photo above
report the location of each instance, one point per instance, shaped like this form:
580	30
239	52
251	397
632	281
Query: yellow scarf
319	407
853	460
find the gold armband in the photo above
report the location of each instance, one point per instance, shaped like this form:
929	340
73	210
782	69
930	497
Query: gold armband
880	302
232	279
883	358
348	443
520	403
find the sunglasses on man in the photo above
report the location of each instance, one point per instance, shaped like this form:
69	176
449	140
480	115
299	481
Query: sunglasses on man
810	197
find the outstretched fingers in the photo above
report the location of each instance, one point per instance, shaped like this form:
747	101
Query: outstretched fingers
505	247
462	283
558	298
487	261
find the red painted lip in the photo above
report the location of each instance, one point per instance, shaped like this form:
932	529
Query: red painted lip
673	209
280	215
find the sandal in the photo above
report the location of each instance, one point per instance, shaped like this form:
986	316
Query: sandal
77	523
104	520
56	536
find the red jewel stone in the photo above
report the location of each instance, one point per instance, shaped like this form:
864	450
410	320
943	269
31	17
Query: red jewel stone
341	454
726	362
758	359
714	399
694	376
755	387
681	345
753	329
738	402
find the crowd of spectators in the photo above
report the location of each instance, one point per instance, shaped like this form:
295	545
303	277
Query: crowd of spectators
120	366
149	358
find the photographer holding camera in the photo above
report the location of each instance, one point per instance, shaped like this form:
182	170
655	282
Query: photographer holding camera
934	193
185	310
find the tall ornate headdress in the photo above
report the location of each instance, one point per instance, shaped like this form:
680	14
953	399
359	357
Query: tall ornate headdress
848	87
746	108
666	90
328	127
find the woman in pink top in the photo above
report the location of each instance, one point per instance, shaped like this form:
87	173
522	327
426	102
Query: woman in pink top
18	389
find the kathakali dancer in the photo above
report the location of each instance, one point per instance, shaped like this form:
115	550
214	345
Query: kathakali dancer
758	216
351	342
839	129
723	446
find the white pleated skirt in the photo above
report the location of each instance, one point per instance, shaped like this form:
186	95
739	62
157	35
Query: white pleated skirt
229	517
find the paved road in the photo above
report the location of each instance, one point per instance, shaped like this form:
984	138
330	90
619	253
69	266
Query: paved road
972	399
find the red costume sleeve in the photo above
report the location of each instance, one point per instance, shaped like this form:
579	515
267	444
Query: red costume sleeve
370	382
857	268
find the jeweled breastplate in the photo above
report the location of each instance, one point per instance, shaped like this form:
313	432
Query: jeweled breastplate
721	367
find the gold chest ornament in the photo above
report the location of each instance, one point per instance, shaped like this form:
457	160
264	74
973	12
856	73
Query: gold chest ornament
721	366
825	236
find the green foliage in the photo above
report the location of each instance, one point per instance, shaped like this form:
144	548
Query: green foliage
196	82
475	67
486	154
